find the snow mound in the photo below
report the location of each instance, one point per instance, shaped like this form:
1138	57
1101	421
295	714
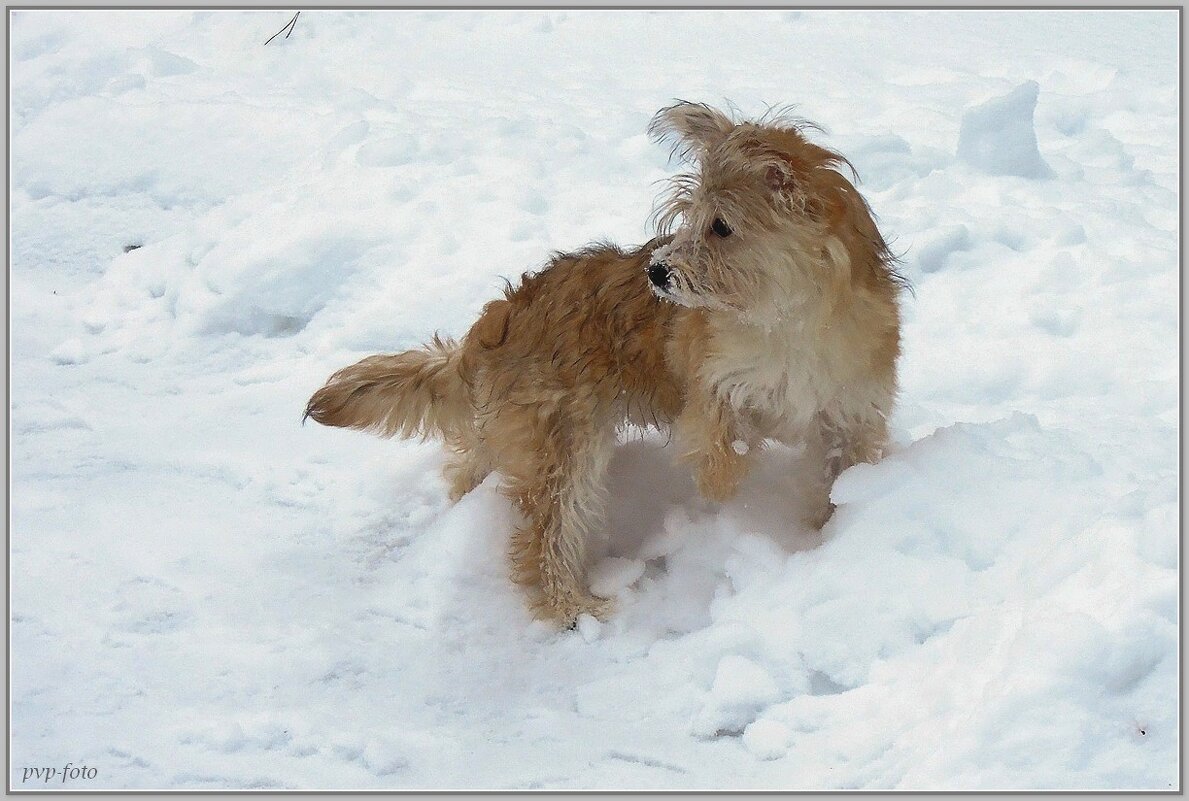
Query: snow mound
982	571
740	691
266	272
767	739
999	137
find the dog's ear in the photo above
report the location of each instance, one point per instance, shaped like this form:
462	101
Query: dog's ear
694	127
778	175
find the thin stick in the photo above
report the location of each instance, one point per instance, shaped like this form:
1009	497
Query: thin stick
289	26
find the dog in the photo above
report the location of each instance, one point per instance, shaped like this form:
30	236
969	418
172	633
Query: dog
767	307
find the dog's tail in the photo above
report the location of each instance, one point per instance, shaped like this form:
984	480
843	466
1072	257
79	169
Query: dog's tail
415	393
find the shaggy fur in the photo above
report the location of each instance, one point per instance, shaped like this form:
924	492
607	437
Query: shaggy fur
769	312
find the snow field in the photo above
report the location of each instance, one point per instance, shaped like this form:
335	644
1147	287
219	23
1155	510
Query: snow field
206	595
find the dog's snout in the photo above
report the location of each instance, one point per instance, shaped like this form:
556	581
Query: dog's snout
658	274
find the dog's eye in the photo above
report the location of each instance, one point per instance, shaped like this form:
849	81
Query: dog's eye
720	228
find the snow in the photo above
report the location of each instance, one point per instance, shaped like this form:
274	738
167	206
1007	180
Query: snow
206	595
999	136
741	690
767	739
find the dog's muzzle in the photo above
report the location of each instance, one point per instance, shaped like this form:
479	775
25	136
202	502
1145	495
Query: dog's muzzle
659	275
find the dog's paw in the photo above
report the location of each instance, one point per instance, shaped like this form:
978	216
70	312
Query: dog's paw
819	518
566	611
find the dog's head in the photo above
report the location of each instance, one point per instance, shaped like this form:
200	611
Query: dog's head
764	224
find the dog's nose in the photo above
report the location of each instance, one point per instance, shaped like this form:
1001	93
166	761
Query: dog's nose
658	274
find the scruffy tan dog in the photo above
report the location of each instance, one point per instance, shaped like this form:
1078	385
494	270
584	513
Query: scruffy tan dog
770	312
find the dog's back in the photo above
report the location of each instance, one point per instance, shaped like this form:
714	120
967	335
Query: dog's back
588	328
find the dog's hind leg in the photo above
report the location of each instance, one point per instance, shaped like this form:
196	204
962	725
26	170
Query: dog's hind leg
468	465
558	482
464	471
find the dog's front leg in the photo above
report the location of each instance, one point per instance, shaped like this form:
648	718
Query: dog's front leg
834	446
717	442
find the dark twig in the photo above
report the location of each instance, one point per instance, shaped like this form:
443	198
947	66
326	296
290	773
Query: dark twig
289	26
